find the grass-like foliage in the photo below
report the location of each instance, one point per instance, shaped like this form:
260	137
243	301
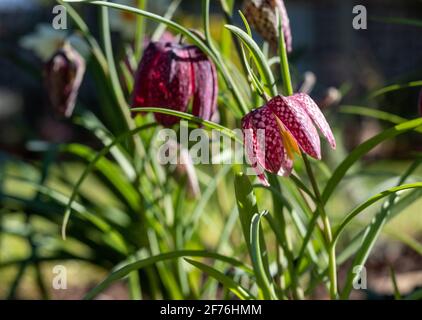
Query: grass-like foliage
120	210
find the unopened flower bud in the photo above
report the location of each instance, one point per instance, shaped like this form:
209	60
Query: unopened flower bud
63	77
262	15
171	75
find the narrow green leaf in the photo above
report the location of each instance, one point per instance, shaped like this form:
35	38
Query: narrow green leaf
116	239
228	282
375	113
115	178
246	203
83	28
400	21
259	58
373	231
257	258
364	148
397	294
140	264
91	166
90	122
370	202
417	295
159	31
395	87
187	116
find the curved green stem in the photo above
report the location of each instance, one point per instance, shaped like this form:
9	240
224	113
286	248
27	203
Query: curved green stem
140	30
332	264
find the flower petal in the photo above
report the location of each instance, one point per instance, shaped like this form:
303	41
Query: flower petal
164	79
313	111
205	84
299	124
266	145
251	146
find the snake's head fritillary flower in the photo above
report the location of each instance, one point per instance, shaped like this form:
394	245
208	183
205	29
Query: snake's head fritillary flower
172	75
63	77
262	15
288	125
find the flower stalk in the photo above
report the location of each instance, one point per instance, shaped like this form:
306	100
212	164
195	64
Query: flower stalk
288	89
140	30
332	264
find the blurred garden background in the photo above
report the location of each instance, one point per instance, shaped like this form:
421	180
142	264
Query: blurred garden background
344	69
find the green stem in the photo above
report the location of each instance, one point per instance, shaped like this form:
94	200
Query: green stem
206	21
114	79
280	228
284	61
288	89
159	31
134	287
332	266
134	284
140	30
83	28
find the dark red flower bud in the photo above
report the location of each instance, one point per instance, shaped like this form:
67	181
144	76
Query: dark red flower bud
170	75
63	77
262	15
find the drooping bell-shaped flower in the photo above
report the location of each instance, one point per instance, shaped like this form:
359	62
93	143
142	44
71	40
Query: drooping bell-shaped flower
63	76
172	75
262	15
282	127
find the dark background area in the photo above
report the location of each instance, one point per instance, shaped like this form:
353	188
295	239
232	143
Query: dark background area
324	43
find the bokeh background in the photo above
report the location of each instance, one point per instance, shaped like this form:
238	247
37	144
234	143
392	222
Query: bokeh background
355	62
